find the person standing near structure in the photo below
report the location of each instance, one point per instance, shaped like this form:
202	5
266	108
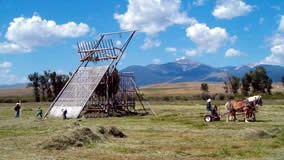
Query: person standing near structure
17	109
64	110
39	112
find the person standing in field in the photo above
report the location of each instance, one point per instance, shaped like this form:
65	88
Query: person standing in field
17	109
39	112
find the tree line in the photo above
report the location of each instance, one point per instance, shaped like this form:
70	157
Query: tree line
47	86
256	81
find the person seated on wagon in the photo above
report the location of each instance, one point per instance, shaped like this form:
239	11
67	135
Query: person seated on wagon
209	107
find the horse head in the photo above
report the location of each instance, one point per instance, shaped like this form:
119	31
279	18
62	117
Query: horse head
258	100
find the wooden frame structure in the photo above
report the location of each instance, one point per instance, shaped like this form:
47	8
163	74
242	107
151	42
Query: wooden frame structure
96	86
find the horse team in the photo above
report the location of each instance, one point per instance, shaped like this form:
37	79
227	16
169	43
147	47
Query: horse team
248	107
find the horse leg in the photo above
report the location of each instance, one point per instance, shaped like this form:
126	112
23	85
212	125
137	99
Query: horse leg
246	116
253	116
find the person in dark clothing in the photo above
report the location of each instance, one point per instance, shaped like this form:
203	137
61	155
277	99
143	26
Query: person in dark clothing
17	109
39	112
64	113
209	107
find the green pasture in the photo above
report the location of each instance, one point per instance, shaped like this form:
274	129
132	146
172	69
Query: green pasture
177	132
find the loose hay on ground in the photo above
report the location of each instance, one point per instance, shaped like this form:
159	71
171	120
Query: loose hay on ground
75	138
259	133
79	136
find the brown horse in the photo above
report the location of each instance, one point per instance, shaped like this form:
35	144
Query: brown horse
234	106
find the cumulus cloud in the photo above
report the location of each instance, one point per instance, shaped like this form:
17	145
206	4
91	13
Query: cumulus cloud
228	9
281	24
150	43
156	61
231	52
277	46
24	34
207	40
276	51
152	16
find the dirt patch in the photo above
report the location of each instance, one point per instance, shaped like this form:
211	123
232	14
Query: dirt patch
80	136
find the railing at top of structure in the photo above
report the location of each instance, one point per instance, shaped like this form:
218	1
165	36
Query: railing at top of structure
104	48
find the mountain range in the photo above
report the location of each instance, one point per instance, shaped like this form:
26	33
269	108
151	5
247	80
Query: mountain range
186	70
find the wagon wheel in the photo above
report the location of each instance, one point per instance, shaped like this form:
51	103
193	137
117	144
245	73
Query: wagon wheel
207	118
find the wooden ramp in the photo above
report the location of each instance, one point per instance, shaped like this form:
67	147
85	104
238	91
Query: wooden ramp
78	91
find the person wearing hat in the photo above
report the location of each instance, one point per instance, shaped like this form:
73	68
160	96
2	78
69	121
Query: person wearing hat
17	108
209	106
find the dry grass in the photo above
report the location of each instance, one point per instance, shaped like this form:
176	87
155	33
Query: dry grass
16	92
178	132
191	88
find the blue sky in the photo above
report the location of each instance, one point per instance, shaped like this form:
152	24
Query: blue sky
38	35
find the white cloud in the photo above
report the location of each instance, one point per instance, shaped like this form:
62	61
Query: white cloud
198	2
171	50
231	52
246	29
118	43
5	65
208	40
24	34
6	77
281	24
150	43
152	16
278	8
276	51
228	9
156	61
181	58
10	47
276	56
191	52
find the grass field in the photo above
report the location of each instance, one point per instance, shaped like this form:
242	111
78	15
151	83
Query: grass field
178	132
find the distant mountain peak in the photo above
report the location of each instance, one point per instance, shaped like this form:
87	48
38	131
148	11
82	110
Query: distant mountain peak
246	65
184	60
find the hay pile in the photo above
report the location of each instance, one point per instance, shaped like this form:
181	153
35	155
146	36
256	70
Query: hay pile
79	137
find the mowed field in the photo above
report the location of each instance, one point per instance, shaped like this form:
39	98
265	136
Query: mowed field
177	132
